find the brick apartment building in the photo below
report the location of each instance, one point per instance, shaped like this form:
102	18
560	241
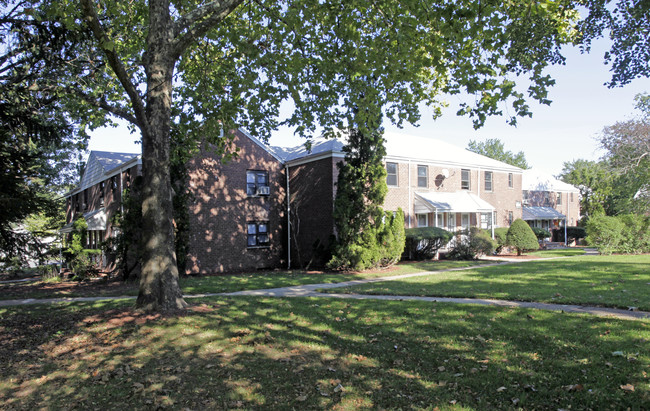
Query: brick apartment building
240	209
548	202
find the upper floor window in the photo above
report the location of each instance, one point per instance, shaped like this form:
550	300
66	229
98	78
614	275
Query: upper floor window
465	179
257	183
571	197
511	182
559	199
258	234
525	197
102	188
85	199
488	181
547	199
423	176
391	174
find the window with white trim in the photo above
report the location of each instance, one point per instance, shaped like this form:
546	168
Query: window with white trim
465	179
511	182
423	176
391	174
257	183
488	180
558	201
422	220
257	233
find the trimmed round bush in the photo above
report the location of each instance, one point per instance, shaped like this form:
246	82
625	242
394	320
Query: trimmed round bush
423	243
521	236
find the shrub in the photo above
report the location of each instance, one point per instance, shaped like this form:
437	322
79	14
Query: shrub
500	234
392	238
521	236
423	243
471	244
540	233
605	233
636	235
78	257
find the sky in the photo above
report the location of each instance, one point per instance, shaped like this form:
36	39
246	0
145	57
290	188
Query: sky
566	130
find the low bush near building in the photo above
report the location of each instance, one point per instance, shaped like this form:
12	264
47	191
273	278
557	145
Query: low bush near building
540	233
471	244
500	234
423	243
521	237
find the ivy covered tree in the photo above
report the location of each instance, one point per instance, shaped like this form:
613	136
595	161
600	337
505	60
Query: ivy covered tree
204	66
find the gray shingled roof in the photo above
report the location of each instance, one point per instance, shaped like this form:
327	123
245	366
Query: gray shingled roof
101	162
541	213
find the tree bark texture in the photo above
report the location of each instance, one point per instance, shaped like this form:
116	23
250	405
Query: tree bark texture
159	287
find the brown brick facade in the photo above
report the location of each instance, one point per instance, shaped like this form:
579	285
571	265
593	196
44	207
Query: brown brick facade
221	210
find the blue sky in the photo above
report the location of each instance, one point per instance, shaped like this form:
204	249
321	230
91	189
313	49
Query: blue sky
564	131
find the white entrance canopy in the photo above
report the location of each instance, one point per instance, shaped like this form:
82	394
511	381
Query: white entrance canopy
458	202
96	220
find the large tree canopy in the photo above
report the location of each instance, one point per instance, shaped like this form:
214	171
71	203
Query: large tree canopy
202	66
37	140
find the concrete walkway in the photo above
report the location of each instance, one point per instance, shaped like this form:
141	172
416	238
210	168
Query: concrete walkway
310	290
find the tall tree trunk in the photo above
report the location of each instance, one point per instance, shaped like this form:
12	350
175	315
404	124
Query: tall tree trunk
159	288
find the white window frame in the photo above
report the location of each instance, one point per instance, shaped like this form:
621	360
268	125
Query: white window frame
469	179
253	186
425	177
395	174
488	181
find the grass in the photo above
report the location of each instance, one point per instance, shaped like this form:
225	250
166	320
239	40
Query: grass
257	353
216	284
613	281
559	252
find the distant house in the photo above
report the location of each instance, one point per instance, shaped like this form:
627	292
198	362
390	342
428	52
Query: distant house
272	207
548	202
99	194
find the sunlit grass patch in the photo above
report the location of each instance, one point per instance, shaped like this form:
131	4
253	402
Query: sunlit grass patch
611	281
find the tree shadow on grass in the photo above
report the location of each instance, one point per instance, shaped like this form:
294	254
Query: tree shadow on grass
319	353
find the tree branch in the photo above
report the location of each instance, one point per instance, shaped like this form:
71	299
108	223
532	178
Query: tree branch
196	23
92	20
100	103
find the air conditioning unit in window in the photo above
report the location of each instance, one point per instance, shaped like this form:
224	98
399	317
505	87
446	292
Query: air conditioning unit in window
263	190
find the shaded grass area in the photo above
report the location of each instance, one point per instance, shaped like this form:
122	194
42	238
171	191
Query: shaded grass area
319	353
612	281
216	283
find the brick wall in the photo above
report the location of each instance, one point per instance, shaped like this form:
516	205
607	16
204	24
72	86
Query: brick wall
221	210
312	187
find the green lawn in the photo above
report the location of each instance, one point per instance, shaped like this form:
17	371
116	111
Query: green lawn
613	281
560	252
261	353
217	284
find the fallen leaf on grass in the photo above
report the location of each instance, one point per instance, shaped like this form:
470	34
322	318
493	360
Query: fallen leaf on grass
441	368
574	387
501	389
627	388
302	398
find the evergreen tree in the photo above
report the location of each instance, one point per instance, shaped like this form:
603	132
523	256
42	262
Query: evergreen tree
366	236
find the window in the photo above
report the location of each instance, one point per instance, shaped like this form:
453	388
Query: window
547	199
559	199
391	174
257	183
258	234
525	197
114	184
510	181
488	181
423	176
76	203
571	199
85	199
510	217
464	179
102	188
422	220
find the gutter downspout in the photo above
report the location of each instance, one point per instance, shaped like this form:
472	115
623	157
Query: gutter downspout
288	220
